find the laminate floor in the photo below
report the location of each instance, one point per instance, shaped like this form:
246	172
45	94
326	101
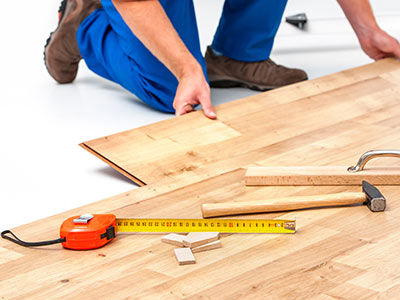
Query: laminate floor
336	253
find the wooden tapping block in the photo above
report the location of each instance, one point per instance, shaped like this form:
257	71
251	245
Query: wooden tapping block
173	239
210	246
184	256
195	239
321	176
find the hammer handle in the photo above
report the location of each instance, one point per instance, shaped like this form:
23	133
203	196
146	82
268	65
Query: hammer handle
280	204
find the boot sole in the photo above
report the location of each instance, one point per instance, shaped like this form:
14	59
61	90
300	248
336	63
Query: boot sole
235	83
65	12
62	9
229	82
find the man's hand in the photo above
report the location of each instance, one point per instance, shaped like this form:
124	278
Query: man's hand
376	43
161	38
379	45
193	89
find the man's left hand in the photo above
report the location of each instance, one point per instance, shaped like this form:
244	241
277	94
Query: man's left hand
379	45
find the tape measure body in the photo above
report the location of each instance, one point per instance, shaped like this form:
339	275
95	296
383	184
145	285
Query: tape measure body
97	230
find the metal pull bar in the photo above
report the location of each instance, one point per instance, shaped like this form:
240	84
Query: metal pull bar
367	156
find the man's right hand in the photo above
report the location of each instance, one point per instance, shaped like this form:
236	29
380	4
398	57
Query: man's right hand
161	38
192	90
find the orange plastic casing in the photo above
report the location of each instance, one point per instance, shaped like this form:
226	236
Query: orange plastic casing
96	233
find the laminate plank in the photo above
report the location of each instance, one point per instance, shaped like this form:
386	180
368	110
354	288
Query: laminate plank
350	291
239	265
7	255
179	146
274	279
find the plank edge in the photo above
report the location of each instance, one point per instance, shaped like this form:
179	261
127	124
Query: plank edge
111	164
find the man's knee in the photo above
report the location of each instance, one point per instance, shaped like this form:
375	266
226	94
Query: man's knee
157	96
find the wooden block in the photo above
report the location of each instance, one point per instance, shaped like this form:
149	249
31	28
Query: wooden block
173	239
184	256
321	176
209	246
195	239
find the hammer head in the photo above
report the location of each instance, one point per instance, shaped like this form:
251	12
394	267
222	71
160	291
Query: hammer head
375	200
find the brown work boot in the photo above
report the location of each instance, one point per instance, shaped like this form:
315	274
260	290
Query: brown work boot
61	52
260	76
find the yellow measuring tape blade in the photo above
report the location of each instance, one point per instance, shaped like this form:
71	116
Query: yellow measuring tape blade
206	225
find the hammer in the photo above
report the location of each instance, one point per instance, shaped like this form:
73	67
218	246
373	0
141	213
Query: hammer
370	196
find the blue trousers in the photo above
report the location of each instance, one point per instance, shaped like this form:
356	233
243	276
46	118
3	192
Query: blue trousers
246	32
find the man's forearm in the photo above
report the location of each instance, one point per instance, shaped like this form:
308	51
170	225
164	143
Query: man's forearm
149	22
375	42
151	25
360	15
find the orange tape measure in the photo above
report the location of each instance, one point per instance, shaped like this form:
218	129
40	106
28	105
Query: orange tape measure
94	231
88	231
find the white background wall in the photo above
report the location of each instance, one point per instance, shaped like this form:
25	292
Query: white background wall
43	171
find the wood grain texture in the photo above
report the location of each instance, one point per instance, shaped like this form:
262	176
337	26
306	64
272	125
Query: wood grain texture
337	253
328	175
